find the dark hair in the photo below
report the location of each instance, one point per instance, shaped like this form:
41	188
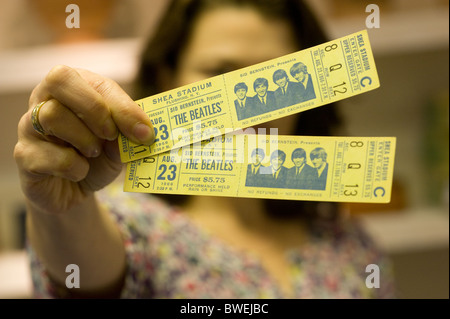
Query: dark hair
318	152
259	82
279	74
298	153
163	49
297	68
175	26
240	85
278	154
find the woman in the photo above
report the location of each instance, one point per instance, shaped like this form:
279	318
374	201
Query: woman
135	245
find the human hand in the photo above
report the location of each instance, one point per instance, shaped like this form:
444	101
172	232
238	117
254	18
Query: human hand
78	154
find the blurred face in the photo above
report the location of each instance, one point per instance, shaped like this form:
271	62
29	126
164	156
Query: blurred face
240	93
300	76
261	90
229	38
299	161
257	158
318	162
281	82
277	162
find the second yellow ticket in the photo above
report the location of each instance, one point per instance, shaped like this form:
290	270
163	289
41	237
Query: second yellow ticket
341	169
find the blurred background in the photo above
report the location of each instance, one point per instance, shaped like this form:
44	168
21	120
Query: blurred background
412	58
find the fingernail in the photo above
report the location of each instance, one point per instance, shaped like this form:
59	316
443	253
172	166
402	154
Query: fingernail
110	130
144	133
95	152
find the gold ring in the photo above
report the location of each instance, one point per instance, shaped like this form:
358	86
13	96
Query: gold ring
35	118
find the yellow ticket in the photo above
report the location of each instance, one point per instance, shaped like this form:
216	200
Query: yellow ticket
260	93
342	169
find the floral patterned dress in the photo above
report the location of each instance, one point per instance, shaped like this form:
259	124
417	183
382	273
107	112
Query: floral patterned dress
168	256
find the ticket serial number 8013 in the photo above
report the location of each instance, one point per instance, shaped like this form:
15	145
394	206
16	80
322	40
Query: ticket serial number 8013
346	169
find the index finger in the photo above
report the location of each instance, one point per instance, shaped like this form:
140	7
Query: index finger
94	99
131	120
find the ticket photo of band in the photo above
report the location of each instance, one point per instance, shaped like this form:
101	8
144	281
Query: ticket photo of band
347	169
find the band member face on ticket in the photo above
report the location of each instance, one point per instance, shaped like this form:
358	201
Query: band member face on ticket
319	158
261	89
257	157
281	82
298	161
226	39
241	93
277	160
300	76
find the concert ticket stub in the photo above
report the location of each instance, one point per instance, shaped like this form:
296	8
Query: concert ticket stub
260	93
341	169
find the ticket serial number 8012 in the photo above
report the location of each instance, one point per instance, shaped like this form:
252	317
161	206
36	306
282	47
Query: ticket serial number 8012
256	94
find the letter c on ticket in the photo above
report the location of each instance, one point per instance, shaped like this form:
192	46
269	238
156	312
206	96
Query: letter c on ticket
366	78
375	191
